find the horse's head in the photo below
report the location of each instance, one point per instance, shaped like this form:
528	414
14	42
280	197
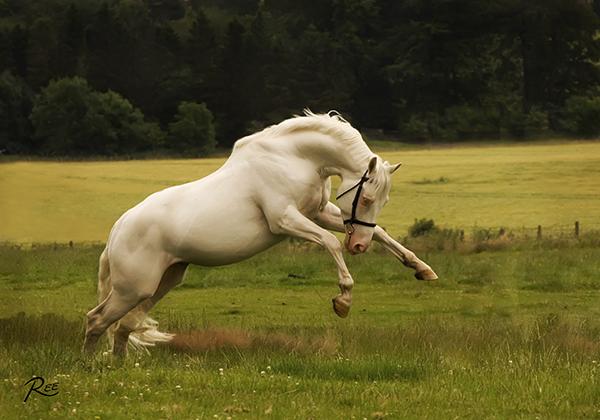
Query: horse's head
361	201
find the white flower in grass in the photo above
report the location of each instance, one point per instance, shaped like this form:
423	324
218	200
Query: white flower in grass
177	386
263	373
136	364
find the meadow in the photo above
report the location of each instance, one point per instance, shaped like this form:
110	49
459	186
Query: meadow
513	186
511	329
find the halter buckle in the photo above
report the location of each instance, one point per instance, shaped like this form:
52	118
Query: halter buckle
349	229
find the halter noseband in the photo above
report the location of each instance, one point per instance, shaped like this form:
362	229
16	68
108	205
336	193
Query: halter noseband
353	220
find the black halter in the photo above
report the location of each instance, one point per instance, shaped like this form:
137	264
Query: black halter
353	220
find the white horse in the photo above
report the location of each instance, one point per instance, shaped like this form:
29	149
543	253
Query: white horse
275	184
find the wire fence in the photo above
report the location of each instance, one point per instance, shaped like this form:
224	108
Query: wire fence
575	230
499	237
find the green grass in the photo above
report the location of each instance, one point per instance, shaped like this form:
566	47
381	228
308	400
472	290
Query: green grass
506	185
512	329
512	333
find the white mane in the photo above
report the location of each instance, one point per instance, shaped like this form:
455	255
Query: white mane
331	124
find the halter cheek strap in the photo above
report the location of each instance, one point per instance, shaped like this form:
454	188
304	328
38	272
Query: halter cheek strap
353	220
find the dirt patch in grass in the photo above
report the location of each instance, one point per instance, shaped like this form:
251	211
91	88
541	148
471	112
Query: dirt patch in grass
216	339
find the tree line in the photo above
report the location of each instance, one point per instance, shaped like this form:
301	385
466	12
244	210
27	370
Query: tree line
92	77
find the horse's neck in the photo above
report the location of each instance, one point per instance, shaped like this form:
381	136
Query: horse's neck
332	156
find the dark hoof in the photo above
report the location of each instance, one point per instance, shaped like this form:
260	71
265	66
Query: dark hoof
340	307
427	274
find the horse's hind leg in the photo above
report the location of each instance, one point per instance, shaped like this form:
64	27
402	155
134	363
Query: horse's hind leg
130	322
115	306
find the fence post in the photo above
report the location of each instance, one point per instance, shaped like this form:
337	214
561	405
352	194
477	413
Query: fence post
577	229
539	232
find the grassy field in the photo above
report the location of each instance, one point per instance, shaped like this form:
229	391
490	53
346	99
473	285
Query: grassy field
505	334
511	329
459	187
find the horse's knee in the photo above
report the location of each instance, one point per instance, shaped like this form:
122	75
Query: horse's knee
92	322
332	243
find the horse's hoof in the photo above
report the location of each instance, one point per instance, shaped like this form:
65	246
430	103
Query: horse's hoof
340	307
426	274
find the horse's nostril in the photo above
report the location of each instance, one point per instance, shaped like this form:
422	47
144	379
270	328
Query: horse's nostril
359	248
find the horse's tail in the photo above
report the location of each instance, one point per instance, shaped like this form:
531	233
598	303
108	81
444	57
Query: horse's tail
146	334
105	288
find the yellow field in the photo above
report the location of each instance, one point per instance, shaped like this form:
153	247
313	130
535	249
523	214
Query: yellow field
487	186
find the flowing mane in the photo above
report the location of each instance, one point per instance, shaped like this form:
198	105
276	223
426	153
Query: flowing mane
331	124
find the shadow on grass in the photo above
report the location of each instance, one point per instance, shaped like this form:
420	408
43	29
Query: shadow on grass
31	330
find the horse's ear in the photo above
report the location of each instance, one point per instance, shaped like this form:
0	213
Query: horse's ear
393	168
373	165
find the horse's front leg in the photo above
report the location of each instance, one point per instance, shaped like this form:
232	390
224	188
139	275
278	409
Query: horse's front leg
293	223
331	218
406	256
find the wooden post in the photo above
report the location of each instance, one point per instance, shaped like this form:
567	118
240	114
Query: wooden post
539	232
577	229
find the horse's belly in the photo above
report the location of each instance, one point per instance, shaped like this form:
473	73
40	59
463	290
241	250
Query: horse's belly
221	234
225	249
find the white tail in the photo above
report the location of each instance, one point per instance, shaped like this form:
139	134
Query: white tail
146	333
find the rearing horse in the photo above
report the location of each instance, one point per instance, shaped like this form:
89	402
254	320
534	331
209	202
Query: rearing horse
275	184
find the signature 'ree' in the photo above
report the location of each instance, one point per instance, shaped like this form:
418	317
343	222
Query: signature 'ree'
37	382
